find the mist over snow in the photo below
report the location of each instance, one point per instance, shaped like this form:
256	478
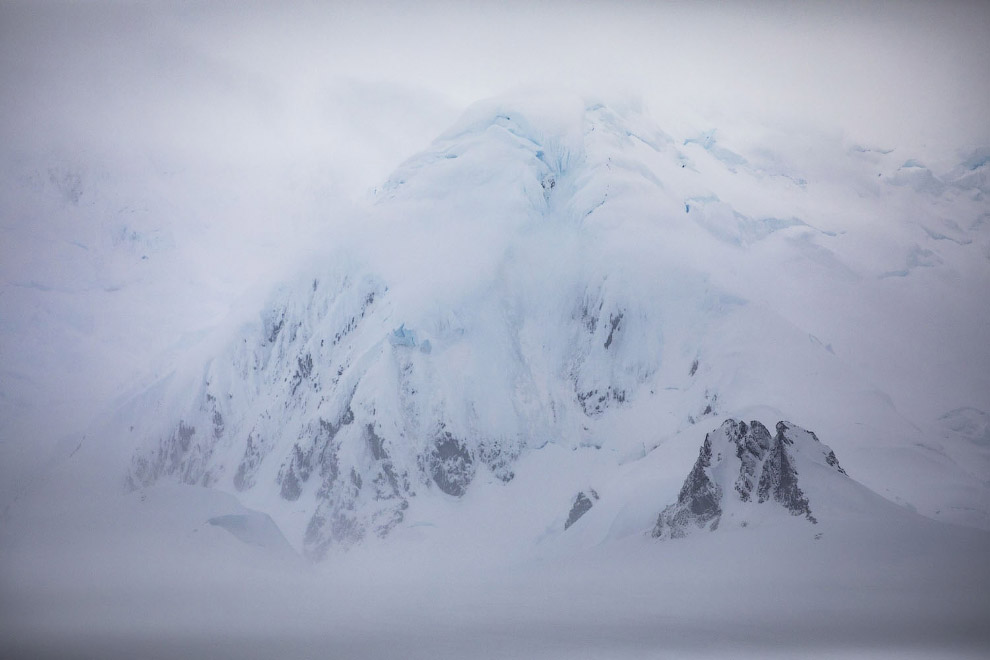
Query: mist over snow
480	332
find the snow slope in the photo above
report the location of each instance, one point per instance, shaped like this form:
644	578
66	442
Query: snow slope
156	579
121	250
474	404
600	285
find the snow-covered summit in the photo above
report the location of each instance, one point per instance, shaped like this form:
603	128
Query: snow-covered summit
550	271
530	144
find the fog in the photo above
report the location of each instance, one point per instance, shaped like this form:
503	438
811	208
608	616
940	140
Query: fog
165	166
144	575
245	134
241	84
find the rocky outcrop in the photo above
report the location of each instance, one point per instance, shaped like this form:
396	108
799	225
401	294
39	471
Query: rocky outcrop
741	465
450	465
779	479
582	505
698	503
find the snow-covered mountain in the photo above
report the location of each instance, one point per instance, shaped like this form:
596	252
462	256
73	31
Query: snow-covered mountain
558	273
479	397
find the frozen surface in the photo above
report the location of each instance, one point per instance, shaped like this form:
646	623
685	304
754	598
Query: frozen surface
423	416
576	299
279	376
160	581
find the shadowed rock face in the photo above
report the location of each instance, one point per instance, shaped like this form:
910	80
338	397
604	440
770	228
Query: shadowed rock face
451	465
244	478
779	479
582	505
748	458
699	502
752	444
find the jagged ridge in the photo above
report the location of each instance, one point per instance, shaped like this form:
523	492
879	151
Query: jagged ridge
348	401
736	462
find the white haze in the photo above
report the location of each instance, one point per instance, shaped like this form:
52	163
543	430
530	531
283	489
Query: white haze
261	125
243	143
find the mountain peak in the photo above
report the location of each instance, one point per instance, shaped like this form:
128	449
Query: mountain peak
550	271
740	466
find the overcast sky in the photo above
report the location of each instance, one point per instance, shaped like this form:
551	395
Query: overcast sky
244	78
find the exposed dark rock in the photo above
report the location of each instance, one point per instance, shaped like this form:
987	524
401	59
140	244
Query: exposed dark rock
833	461
594	402
246	469
752	444
737	459
347	417
698	504
375	443
184	434
291	487
275	327
451	465
292	476
779	479
217	424
582	505
304	370
711	401
614	321
498	459
589	314
386	481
